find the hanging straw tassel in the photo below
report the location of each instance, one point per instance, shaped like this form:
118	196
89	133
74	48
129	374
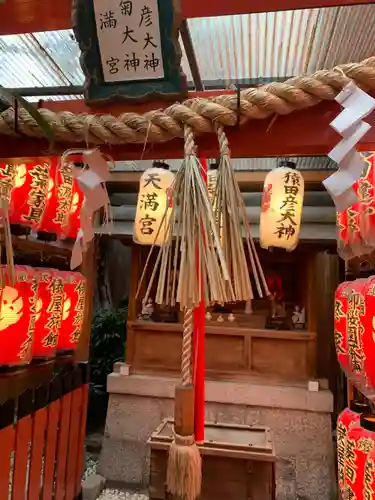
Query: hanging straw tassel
230	216
191	226
184	470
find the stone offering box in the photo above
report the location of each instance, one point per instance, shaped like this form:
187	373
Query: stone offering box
238	462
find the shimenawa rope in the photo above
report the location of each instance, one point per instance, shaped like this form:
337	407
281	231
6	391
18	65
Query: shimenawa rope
200	114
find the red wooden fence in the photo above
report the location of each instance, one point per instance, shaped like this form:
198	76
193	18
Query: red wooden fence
43	413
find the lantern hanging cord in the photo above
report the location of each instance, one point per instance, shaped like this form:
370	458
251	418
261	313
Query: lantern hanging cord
200	114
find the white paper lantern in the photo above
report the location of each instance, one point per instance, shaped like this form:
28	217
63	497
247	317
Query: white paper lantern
211	183
281	213
153	199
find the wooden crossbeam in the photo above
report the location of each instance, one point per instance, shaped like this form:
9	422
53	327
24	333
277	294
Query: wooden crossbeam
27	16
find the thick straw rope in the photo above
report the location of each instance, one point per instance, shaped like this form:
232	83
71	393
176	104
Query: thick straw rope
200	114
187	340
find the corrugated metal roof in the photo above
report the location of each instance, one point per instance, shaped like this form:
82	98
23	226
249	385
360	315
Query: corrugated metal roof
281	44
246	164
228	49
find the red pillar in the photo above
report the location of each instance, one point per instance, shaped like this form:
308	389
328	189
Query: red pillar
199	321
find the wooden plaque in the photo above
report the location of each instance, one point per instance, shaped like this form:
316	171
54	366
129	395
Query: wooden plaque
129	49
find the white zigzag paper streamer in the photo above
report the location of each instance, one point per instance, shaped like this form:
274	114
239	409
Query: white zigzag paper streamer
350	125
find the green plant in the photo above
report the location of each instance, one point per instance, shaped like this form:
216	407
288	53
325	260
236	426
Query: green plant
108	339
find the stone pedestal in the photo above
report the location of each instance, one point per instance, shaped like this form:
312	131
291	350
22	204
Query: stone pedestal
300	420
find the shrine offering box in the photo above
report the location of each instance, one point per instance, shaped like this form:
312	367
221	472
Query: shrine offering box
238	462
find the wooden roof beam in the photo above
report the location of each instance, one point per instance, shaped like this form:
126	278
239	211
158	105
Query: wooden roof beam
27	16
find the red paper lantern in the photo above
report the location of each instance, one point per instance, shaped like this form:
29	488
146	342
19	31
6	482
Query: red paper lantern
7	177
368	424
49	313
74	220
366	196
29	194
340	312
49	309
346	420
17	316
59	203
356	225
74	309
367	337
354	330
359	472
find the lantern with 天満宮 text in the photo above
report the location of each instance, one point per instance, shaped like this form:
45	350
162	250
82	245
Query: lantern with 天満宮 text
45	338
281	210
29	194
212	174
73	311
153	205
345	421
17	315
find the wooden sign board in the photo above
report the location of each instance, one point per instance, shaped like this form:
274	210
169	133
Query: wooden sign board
129	49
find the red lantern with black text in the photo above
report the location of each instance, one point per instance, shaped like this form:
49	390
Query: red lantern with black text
356	225
367	337
29	195
359	452
366	196
340	313
346	420
8	173
74	220
49	308
17	316
354	330
60	197
73	311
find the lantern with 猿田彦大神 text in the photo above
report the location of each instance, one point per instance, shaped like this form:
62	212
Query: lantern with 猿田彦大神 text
281	211
359	461
49	307
17	315
60	198
346	420
29	194
73	311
